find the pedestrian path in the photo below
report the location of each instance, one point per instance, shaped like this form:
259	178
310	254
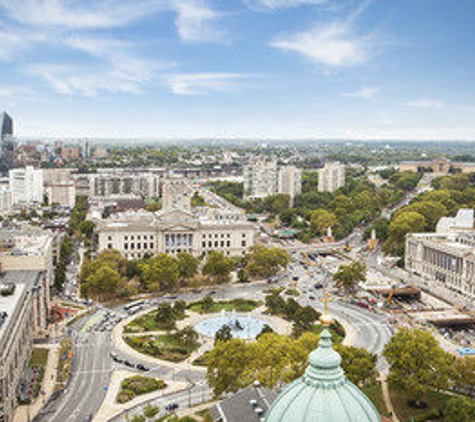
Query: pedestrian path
28	412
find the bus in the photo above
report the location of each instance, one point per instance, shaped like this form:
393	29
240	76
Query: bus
133	307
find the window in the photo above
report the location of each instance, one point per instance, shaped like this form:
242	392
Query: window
109	246
203	244
151	245
126	246
243	243
228	243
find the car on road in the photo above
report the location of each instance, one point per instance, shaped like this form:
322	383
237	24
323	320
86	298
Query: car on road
171	406
295	278
142	367
128	363
87	418
115	357
311	297
197	291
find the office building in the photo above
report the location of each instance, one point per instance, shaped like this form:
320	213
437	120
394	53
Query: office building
26	185
5	199
7	146
331	177
59	187
446	257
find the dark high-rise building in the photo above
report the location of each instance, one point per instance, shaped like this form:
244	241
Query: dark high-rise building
6	126
7	147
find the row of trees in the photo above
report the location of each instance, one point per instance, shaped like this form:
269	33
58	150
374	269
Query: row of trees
418	364
449	195
276	360
111	275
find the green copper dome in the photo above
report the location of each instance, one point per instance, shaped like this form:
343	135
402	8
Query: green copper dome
323	394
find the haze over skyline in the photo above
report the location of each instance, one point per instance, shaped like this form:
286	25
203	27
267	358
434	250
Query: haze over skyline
239	68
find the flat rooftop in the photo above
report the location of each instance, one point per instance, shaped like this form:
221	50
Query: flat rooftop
9	305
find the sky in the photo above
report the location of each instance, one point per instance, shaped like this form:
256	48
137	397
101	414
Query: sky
261	69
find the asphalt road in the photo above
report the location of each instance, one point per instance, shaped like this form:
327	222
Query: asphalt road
90	375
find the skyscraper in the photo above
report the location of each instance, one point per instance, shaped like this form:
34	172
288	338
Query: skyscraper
6	142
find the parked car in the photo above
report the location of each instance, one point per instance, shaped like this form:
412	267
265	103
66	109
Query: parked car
128	363
142	367
171	406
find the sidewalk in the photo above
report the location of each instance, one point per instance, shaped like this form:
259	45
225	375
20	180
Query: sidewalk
387	398
110	408
47	386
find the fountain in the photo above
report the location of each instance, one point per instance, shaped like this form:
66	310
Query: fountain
243	327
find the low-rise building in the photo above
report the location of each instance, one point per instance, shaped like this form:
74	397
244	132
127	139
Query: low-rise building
446	256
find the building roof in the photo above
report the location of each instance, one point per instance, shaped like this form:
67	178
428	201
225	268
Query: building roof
244	406
323	393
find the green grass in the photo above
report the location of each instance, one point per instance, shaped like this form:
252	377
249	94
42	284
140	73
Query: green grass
136	386
39	356
375	394
146	323
240	305
165	346
400	400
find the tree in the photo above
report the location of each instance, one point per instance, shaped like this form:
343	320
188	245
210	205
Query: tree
459	409
275	304
242	275
266	329
161	273
86	228
188	336
348	276
179	308
320	220
417	363
223	334
188	265
207	303
404	223
218	266
263	262
463	374
358	364
103	282
226	364
166	316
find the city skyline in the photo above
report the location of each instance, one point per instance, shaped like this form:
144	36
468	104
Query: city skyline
265	69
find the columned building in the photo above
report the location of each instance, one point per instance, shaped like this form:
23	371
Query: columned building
446	256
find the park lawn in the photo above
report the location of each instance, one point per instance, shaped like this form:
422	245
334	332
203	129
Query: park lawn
165	346
39	356
375	394
146	323
240	305
138	385
400	400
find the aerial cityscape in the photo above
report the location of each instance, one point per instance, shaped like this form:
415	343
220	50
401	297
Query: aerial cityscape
237	211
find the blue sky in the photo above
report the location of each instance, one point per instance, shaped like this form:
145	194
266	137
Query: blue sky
270	69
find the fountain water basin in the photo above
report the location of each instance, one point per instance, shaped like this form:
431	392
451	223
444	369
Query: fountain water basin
245	327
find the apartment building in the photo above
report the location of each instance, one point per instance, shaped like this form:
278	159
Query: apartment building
331	177
26	185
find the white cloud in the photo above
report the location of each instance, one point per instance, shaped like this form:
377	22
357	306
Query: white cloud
366	93
194	21
426	103
194	18
203	83
284	4
14	41
126	75
79	14
332	45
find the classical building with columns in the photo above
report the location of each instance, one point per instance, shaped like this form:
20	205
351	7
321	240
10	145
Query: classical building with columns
178	227
446	256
